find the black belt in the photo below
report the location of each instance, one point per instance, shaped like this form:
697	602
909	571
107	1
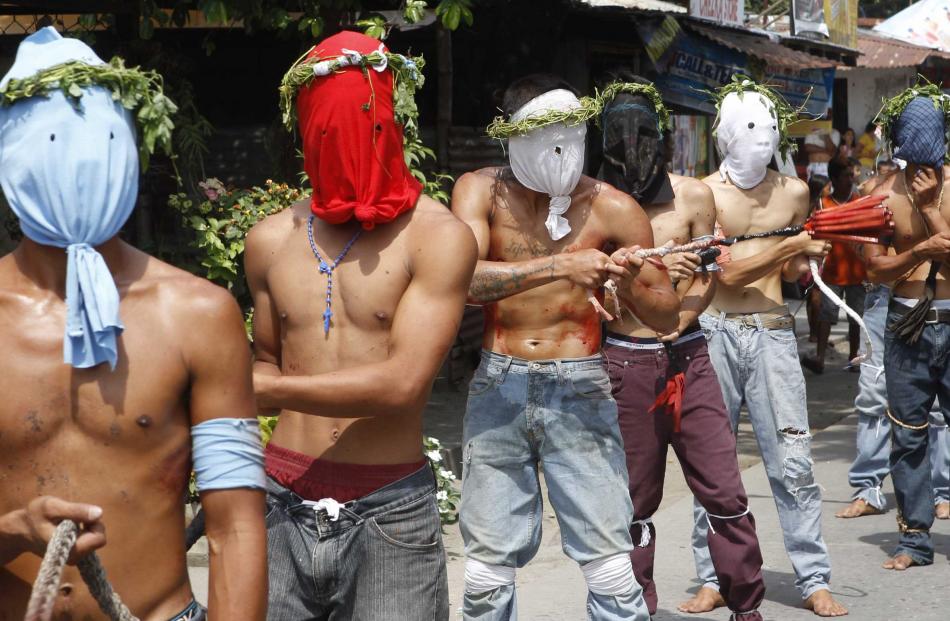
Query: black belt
934	315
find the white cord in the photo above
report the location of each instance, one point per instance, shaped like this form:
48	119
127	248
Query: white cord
816	275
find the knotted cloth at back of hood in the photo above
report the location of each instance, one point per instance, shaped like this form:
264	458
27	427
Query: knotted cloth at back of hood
71	177
352	145
919	134
747	137
550	159
635	150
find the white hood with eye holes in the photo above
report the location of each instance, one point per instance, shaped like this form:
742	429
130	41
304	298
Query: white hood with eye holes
70	173
747	137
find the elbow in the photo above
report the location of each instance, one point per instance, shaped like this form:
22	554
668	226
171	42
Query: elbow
410	395
875	274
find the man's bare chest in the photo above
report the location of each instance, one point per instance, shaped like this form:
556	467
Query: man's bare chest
363	289
740	215
519	236
136	406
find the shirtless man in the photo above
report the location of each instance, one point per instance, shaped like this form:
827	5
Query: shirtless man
751	342
541	396
118	424
915	363
640	363
350	496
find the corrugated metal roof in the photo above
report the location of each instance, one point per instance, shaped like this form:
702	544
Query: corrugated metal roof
643	5
880	52
762	47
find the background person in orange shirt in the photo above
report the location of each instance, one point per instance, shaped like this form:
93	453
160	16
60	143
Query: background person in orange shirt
843	270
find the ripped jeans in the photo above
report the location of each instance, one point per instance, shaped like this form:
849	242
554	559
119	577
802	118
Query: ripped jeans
760	367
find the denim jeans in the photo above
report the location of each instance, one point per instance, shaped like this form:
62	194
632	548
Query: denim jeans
559	416
916	375
872	462
381	559
760	367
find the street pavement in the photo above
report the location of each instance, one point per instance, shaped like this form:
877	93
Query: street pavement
551	587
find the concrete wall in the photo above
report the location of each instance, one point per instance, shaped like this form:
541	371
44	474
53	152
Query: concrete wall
867	87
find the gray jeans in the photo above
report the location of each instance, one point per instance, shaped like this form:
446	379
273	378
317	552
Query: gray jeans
760	368
381	559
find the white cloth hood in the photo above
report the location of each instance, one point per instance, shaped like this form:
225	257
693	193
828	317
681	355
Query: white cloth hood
747	137
550	159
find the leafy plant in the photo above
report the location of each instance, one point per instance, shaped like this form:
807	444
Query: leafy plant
504	128
221	221
633	88
446	494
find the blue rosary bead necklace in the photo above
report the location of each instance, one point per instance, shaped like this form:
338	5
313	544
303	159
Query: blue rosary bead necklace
327	268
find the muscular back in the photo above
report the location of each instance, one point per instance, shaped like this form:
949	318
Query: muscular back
370	289
118	439
777	202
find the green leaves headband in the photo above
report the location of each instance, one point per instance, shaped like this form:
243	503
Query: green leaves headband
785	114
634	88
140	92
501	128
894	107
407	76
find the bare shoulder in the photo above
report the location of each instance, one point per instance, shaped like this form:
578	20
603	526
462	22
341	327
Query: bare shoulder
713	179
187	299
477	187
608	200
791	187
274	229
879	185
434	227
691	189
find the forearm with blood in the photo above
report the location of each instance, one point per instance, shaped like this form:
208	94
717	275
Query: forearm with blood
496	280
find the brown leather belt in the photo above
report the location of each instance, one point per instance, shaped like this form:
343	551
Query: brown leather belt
934	315
777	318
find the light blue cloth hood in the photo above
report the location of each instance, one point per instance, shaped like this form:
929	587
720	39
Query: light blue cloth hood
71	176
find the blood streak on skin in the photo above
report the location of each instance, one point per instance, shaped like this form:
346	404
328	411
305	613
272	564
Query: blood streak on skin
173	469
586	326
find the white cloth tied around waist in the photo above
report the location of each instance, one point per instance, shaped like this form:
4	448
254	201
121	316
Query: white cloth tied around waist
747	137
550	159
227	454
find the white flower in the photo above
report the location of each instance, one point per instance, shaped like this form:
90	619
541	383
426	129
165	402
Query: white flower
441	495
446	474
434	456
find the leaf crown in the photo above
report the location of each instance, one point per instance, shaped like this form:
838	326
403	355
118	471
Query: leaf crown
406	70
139	91
892	109
649	91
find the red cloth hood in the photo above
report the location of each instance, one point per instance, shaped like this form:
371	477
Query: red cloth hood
352	145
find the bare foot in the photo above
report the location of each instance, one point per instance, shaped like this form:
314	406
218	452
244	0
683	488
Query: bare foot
706	599
858	508
824	605
942	511
899	562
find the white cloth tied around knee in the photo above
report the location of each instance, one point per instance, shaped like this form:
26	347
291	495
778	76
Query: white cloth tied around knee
330	505
611	575
723	517
481	577
644	529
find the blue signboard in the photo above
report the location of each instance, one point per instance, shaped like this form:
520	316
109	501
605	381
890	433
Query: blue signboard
691	65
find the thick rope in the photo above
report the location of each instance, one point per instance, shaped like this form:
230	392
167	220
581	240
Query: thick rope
46	586
816	275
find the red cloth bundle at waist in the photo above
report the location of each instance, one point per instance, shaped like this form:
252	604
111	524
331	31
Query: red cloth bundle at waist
312	478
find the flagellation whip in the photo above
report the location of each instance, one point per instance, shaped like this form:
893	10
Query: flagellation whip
863	221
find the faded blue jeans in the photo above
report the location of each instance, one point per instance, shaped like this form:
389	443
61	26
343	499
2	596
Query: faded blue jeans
916	375
559	416
872	461
760	367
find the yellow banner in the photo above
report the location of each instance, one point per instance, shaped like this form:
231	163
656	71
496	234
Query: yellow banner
841	16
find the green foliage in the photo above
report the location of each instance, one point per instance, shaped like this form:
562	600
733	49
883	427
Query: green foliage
414	10
374	26
221	222
140	92
454	12
447	495
894	107
784	113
